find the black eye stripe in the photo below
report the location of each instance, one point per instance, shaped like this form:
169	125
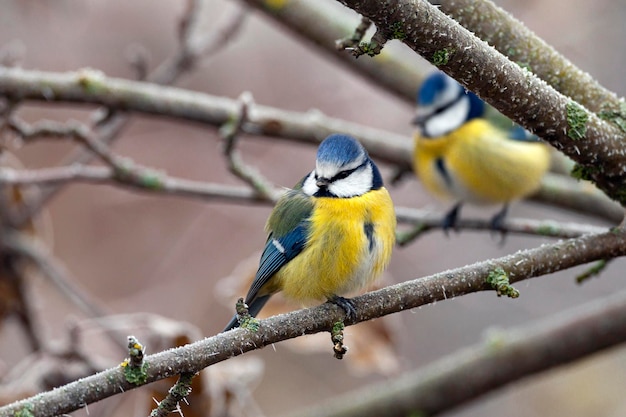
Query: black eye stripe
446	106
344	174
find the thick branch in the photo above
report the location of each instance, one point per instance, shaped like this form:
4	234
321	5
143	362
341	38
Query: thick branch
513	39
400	297
321	25
595	144
504	357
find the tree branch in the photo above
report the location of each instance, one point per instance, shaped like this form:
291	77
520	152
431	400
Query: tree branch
513	39
150	181
425	221
445	285
580	196
503	358
230	133
153	181
109	123
89	86
312	127
597	146
320	25
193	47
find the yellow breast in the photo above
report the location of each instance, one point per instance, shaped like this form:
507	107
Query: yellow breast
483	165
339	257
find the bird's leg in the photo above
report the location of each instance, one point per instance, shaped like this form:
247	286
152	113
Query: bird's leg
346	304
450	219
497	222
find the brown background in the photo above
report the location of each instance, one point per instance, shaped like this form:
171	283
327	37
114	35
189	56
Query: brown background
144	253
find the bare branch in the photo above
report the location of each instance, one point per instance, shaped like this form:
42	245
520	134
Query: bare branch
597	146
110	123
353	41
425	221
320	25
176	394
513	39
194	48
504	357
146	180
230	132
88	86
581	196
157	181
38	254
407	295
310	127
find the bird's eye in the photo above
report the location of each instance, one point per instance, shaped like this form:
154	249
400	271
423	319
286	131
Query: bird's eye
343	174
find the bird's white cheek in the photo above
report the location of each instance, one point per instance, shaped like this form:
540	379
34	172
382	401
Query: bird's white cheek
310	187
357	183
448	120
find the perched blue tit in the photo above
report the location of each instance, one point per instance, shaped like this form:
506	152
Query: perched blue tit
329	236
461	155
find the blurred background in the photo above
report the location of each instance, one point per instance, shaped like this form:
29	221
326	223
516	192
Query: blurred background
180	258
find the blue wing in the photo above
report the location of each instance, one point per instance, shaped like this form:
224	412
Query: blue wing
277	253
288	228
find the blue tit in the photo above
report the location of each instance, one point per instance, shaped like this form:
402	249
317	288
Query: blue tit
462	155
329	236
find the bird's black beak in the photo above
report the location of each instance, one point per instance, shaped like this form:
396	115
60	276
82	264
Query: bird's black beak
322	182
419	120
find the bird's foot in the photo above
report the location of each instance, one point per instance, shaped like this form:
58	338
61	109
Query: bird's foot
346	304
497	224
450	220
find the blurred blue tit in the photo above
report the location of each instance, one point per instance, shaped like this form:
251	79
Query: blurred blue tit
329	236
462	156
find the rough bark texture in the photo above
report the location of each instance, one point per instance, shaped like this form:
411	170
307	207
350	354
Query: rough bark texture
445	285
504	357
513	39
594	144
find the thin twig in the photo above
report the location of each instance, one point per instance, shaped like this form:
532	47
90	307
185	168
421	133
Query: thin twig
148	180
309	127
427	221
230	132
194	48
351	42
175	395
109	123
159	182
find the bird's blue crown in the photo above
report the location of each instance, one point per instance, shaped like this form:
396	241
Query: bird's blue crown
432	87
340	150
438	85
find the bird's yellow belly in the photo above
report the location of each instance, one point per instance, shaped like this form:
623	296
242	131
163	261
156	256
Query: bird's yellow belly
482	165
339	258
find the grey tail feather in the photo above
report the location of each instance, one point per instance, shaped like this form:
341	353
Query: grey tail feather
253	308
